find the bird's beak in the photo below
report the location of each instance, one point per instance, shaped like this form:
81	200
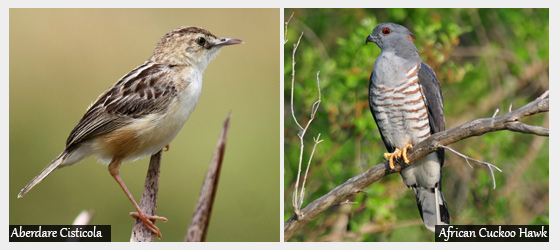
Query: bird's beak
370	39
228	41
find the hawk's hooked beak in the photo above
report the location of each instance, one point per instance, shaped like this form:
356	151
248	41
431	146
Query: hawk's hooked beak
228	41
369	39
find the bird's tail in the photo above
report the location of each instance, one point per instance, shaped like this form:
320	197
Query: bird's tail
46	171
432	207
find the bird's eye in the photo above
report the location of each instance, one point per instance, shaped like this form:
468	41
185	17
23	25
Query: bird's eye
201	41
386	31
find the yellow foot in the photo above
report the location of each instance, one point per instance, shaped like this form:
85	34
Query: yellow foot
403	153
391	157
148	221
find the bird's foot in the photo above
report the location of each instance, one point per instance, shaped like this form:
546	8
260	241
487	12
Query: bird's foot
166	148
391	157
403	153
397	154
149	220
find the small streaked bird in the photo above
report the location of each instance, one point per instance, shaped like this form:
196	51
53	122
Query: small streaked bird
407	105
142	113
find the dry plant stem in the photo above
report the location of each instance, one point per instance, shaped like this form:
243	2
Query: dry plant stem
201	218
295	197
298	201
148	204
473	128
286	28
317	141
294	79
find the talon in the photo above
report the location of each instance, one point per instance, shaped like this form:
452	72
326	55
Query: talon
151	217
397	154
391	157
404	152
166	148
386	156
148	221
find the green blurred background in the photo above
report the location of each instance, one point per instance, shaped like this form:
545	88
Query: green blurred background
61	60
486	59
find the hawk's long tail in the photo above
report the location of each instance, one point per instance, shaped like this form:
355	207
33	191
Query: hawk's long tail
432	206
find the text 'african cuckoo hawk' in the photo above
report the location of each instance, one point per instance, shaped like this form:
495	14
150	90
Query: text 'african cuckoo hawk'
407	105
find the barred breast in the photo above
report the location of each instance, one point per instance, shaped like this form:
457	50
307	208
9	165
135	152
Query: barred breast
400	109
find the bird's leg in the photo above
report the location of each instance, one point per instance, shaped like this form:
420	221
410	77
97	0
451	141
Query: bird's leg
146	219
403	152
391	157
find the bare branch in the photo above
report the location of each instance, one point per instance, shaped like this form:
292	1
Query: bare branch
496	112
346	202
317	141
148	204
297	202
544	95
201	218
468	159
286	28
295	197
527	129
314	109
356	184
294	79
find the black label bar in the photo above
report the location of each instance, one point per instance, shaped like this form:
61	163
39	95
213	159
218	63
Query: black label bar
57	233
492	233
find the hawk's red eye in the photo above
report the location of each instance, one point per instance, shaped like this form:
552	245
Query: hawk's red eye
386	31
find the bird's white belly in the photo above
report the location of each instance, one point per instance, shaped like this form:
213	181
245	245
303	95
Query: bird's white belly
160	130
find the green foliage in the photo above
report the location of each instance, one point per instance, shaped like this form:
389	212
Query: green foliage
485	59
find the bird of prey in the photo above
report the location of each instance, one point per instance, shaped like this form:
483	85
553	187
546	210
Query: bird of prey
406	102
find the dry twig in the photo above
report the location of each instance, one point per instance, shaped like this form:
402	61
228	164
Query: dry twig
286	28
201	218
297	200
469	159
148	204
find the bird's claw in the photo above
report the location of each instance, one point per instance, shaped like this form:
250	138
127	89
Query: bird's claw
404	153
148	221
397	154
391	157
